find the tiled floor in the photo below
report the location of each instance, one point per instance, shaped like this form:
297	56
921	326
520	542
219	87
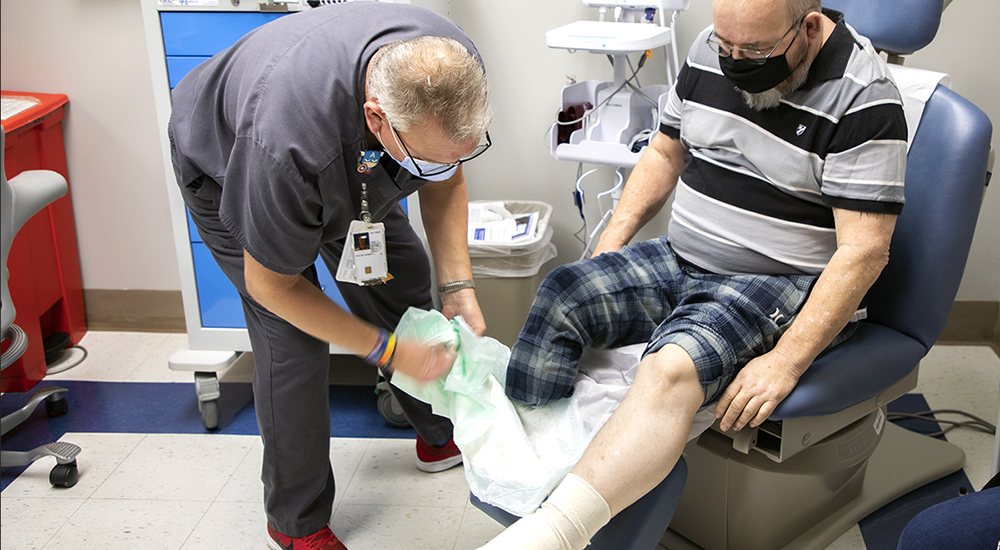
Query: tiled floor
202	491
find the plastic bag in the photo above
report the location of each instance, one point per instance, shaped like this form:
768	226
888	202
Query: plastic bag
515	455
503	465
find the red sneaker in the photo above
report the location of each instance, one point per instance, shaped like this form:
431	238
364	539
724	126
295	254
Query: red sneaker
324	539
433	459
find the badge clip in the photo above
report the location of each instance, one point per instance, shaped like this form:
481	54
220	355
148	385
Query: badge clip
364	261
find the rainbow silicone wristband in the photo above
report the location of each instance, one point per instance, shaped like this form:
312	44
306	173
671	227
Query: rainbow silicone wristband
379	349
385	361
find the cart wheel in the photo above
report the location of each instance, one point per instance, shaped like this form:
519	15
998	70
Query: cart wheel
390	410
64	475
56	405
210	413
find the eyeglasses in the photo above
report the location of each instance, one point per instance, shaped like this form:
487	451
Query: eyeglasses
753	56
442	168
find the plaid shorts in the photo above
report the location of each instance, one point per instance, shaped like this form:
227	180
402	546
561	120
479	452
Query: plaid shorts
646	294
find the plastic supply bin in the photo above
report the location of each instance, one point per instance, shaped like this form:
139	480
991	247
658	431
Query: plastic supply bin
44	262
508	274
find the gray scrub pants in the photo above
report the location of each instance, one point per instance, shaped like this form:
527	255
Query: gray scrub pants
291	368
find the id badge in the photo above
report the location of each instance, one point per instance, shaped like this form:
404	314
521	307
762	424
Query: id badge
363	261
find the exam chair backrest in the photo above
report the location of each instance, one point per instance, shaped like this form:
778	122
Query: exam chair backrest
908	306
933	235
897	26
931	243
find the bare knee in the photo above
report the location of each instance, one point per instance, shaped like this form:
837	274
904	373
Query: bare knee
671	373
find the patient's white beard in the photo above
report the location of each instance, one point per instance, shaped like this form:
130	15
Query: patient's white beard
769	99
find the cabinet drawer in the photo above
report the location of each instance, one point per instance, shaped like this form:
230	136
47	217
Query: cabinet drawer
178	66
218	300
205	34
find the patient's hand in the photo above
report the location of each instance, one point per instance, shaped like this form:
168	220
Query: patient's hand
756	390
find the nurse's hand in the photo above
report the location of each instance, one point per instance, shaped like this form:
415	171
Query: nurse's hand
422	362
464	303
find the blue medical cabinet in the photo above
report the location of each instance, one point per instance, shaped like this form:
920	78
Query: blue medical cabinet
190	38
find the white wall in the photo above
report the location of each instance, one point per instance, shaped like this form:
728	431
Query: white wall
958	50
94	51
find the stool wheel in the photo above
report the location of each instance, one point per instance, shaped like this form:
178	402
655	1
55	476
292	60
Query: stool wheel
390	410
64	475
56	405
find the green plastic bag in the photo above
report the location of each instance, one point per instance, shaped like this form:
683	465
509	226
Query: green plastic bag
505	465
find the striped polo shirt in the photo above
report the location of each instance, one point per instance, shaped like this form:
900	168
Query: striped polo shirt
757	193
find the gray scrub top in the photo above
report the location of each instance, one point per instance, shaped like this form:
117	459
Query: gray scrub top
277	121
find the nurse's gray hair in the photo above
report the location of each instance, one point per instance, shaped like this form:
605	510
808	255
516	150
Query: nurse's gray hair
431	76
798	8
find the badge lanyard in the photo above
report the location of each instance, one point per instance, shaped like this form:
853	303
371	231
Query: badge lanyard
363	261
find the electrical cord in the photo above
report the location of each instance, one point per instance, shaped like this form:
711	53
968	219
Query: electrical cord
588	114
607	213
976	423
62	367
618	185
635	144
629	61
637	87
579	199
593	234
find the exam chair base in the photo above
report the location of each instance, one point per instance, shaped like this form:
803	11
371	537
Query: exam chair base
638	527
759	504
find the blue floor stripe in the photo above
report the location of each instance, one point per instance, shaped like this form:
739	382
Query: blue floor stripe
157	408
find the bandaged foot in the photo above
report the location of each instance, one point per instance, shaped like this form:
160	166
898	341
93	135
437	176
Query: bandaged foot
567	520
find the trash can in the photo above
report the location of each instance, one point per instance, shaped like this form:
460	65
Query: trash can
508	272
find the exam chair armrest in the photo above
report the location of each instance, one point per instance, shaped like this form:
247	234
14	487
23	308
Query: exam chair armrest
873	359
842	387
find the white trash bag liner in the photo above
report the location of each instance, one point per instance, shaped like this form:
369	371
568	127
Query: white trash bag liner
503	245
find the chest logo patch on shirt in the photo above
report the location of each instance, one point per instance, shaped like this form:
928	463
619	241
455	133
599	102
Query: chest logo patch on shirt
800	130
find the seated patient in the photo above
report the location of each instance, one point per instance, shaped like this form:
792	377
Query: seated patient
785	144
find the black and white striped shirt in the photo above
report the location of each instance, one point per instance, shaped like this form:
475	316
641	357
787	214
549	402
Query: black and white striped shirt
757	192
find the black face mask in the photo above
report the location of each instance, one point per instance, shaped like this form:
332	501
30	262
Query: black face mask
755	78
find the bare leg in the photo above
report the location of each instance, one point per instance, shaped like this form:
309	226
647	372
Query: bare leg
644	438
631	454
